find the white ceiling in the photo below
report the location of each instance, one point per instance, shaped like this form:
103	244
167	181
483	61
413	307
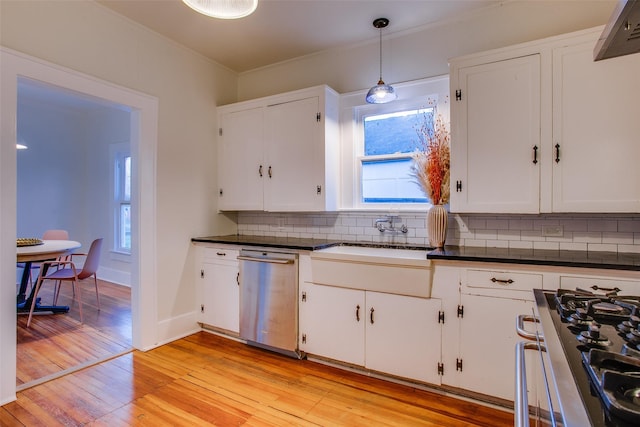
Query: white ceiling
284	29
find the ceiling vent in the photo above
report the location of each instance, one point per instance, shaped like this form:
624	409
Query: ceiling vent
621	36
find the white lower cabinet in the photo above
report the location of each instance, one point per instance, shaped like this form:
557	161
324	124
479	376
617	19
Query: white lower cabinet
218	288
480	330
392	334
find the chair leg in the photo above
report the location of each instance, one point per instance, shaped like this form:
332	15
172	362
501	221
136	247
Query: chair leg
56	291
95	281
38	285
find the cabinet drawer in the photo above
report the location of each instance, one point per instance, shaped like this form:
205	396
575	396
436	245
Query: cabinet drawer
600	284
503	280
219	255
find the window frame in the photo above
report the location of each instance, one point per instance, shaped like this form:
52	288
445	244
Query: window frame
361	113
411	95
119	152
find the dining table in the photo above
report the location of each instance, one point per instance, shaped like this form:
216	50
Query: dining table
39	251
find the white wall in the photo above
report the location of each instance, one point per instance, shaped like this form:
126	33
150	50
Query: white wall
52	171
84	36
425	52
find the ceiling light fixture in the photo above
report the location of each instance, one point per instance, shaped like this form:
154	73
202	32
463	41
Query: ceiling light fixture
223	9
382	92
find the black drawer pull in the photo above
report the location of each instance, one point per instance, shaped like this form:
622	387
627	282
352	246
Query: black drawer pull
502	281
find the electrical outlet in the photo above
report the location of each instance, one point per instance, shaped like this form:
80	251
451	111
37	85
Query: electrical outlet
280	223
552	230
462	226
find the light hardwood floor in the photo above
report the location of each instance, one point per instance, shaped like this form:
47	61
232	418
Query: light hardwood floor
204	379
57	343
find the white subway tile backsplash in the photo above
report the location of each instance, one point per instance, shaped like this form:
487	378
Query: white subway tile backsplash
581	232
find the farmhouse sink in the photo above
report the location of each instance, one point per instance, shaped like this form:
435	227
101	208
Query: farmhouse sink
380	269
374	254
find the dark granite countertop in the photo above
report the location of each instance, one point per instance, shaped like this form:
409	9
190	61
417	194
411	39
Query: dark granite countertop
582	259
272	242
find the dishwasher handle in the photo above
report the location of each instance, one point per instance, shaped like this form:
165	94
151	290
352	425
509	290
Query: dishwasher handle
269	260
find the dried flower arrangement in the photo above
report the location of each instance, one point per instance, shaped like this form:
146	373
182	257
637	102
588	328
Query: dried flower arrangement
432	162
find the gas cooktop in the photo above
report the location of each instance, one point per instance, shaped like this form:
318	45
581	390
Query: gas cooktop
600	335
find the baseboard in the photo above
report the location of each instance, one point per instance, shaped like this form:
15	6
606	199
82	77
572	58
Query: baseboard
114	276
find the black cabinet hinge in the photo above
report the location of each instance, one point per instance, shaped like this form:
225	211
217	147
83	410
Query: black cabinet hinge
458	94
459	365
220	192
318	190
440	368
304	297
318	117
461	311
220	131
304	338
458	186
202	273
201	308
441	316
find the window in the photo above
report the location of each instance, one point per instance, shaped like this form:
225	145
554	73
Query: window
378	141
122	202
389	139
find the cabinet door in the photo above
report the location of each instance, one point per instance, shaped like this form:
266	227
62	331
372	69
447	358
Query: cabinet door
294	156
403	336
332	322
487	346
220	306
240	163
596	128
495	133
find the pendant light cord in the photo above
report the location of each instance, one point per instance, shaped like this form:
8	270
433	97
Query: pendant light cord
380	30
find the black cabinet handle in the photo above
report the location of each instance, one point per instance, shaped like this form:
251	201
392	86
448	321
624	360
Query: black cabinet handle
535	154
502	281
371	315
557	153
358	313
270	175
260	171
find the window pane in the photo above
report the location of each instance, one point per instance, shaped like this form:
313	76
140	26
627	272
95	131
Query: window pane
125	226
390	181
395	132
127	178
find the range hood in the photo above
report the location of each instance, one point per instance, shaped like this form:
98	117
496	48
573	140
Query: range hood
621	36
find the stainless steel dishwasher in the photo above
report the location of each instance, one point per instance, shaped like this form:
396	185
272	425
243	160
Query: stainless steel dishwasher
269	300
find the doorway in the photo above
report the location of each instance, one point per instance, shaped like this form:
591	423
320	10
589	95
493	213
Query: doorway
67	166
143	139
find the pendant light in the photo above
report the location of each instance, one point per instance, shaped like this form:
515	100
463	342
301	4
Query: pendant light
382	92
223	9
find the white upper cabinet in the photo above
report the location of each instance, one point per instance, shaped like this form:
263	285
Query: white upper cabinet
240	163
596	130
280	153
541	127
497	135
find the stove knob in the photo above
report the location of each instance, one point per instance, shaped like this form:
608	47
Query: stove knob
581	313
634	321
594	332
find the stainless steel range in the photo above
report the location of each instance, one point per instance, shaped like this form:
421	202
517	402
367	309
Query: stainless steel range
592	342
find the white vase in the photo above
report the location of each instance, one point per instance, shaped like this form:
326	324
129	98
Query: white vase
437	220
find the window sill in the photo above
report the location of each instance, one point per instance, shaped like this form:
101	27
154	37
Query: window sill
120	256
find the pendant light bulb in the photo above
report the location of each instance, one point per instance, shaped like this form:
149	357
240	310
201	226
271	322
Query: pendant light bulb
223	9
382	92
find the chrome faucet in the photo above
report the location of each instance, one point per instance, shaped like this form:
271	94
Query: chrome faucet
391	220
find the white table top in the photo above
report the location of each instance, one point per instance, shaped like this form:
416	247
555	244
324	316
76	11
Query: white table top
49	249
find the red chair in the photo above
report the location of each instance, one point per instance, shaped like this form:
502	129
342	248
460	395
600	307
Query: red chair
67	272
